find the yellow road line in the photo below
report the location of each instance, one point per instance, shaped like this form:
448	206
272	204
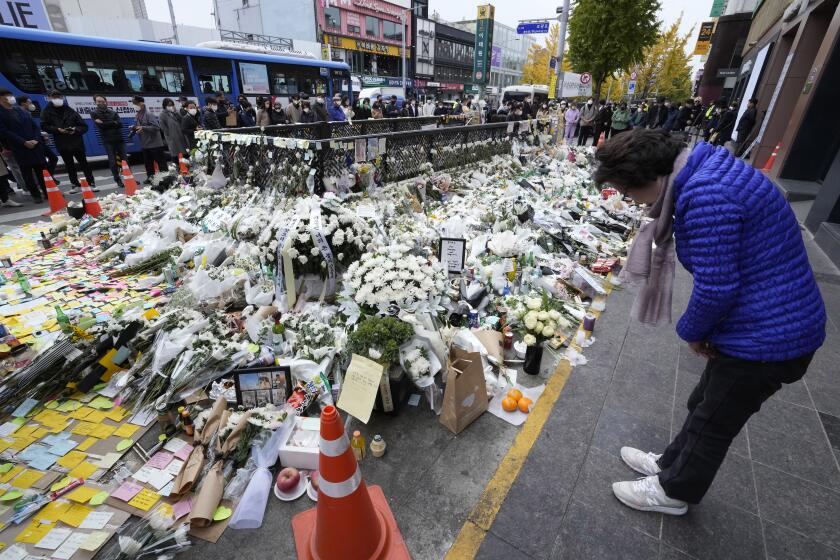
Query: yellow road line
481	518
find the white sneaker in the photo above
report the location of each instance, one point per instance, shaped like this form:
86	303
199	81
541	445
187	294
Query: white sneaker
74	190
11	204
646	494
641	462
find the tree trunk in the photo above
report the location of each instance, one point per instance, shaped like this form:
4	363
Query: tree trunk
596	93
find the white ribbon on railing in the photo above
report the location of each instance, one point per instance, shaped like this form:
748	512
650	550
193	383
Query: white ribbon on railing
320	241
285	274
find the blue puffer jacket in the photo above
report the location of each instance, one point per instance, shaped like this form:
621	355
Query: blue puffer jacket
754	294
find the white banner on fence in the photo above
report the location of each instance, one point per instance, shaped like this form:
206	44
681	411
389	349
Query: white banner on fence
576	85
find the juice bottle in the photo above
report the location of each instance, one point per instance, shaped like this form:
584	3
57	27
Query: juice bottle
358	445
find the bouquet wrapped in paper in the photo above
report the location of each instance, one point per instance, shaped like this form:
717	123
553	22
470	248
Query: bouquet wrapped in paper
191	470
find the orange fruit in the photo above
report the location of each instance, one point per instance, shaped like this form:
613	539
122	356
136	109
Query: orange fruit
514	394
508	404
525	404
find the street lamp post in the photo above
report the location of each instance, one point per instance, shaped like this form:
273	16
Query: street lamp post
402	19
561	46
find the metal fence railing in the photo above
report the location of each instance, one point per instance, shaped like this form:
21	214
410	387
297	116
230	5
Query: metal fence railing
249	155
343	129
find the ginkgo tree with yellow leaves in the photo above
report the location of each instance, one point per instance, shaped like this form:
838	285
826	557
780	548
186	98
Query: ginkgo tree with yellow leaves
537	68
665	69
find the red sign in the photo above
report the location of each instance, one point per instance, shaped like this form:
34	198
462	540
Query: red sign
585	78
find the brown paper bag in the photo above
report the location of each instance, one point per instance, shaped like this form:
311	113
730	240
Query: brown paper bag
209	496
195	462
465	397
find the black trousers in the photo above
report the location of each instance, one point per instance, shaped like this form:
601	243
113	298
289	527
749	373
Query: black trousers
79	155
585	132
729	392
152	155
33	176
52	161
115	149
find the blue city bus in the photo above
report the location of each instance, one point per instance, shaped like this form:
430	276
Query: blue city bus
35	62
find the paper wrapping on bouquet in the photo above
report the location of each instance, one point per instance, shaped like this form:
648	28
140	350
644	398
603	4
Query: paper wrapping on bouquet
195	462
320	242
284	277
492	341
251	509
465	397
213	486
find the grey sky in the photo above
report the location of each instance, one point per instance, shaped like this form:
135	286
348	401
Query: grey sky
197	12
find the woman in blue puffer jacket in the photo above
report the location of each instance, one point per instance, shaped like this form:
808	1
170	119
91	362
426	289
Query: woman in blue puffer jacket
755	311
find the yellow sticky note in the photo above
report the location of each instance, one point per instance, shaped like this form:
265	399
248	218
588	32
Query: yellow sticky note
5	444
39	433
102	431
83	470
52	511
26	479
95	540
16	470
96	417
69	406
34	532
82	494
25	430
81	413
85	445
75	515
21	443
126	430
117	414
72	459
144	499
83	428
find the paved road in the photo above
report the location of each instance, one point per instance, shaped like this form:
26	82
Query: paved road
30	212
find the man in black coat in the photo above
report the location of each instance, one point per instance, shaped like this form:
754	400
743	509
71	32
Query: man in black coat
391	111
110	132
603	121
67	128
21	135
745	125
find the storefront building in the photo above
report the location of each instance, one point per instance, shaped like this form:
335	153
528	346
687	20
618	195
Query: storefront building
366	34
792	65
720	72
509	54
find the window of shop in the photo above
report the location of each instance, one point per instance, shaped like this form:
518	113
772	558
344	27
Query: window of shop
392	30
371	26
354	29
332	18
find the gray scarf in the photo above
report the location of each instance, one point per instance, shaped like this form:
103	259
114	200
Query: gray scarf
654	265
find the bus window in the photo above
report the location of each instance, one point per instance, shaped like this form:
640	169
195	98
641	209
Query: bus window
155	79
283	83
212	83
18	69
102	74
62	75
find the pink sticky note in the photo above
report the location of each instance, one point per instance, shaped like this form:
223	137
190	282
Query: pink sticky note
182	508
127	491
160	460
184	452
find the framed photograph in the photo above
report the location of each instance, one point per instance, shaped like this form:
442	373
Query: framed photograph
452	254
263	385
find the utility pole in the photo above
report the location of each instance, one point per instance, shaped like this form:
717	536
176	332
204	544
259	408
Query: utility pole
174	25
561	46
405	91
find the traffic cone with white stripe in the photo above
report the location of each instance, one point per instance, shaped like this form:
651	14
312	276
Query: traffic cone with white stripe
89	200
769	165
183	164
352	521
601	139
54	196
129	182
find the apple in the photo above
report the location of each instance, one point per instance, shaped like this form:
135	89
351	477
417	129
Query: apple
315	480
288	479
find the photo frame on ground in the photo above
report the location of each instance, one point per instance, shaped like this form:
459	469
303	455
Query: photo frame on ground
263	385
452	253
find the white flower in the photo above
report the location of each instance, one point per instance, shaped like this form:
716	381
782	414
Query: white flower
529	339
530	322
303	237
543	316
554	314
534	303
539	327
302	259
341	256
374	353
548	332
314	251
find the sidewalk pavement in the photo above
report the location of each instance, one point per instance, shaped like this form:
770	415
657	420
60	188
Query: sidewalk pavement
777	495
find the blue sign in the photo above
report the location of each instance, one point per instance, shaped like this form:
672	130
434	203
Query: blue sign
526	28
631	87
29	14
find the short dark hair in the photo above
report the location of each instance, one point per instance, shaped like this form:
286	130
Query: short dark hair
636	158
4	91
99	95
167	102
55	93
138	99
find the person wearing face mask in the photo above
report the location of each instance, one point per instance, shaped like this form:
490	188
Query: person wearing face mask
336	113
22	136
210	115
320	110
110	133
182	102
170	125
347	108
24	102
376	110
620	119
391	111
307	115
245	113
410	109
68	129
587	122
572	117
277	114
191	122
542	117
148	127
293	110
263	111
362	111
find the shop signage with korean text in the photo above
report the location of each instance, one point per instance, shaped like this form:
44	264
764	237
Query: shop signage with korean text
483	43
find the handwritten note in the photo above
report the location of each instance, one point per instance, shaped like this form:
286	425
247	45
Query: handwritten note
96	520
95	540
361	383
54	538
144	499
160	460
127	491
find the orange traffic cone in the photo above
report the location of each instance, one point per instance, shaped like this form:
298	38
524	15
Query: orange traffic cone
601	139
89	200
156	167
54	196
128	180
769	165
182	164
352	520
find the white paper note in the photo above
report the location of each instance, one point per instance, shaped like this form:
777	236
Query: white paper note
14	552
159	478
54	538
70	546
95	540
96	520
